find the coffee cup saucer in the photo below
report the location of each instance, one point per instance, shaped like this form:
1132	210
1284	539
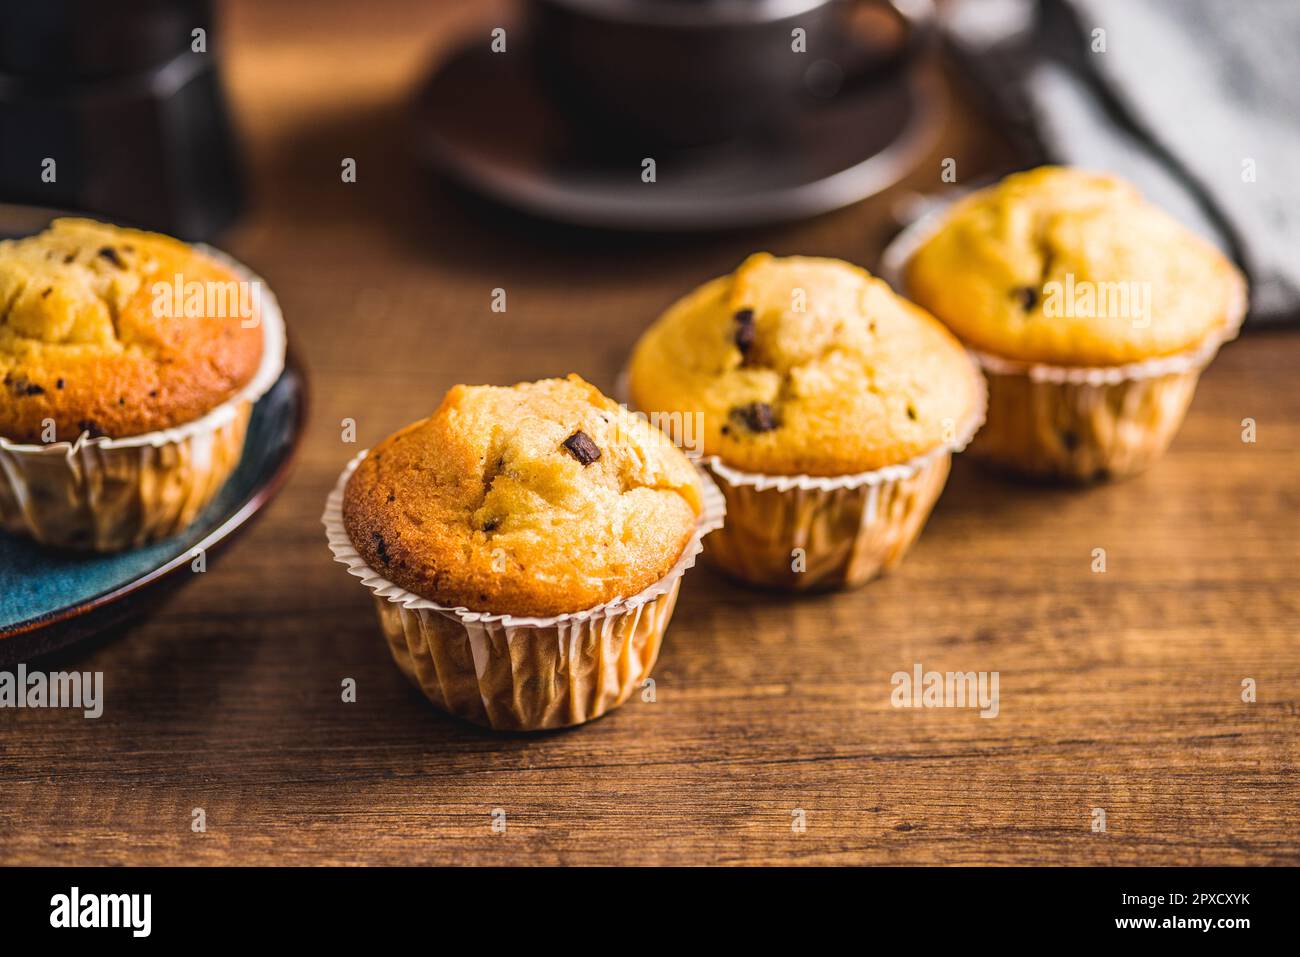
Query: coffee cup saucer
482	120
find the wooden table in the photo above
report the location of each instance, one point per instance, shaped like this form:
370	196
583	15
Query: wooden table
1120	691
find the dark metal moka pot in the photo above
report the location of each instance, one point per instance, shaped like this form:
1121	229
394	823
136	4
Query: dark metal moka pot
115	109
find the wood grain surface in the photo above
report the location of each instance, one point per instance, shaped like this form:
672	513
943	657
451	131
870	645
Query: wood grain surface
1120	691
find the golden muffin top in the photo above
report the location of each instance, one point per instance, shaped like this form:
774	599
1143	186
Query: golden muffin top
538	499
90	342
805	366
1068	267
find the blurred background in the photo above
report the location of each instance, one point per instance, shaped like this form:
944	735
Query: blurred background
649	116
388	166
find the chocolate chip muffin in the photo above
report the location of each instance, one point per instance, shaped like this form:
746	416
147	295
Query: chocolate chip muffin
1000	271
91	340
525	546
537	499
1091	310
128	367
819	395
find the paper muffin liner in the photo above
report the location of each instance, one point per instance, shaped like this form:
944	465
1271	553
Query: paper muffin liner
1084	425
108	494
520	673
1076	423
819	533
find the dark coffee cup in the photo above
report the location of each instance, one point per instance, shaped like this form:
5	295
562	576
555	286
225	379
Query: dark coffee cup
689	72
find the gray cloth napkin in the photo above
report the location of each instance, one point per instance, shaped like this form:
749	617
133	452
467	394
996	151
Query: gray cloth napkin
1197	102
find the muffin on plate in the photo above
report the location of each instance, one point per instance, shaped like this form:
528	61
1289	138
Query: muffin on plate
1091	311
524	546
827	408
129	364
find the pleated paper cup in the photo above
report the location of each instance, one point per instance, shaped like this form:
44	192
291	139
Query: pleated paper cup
1087	424
108	494
514	673
1075	423
818	533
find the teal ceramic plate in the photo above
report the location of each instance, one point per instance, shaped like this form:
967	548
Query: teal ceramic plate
51	598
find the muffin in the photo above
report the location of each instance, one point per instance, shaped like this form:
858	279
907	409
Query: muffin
525	546
129	363
827	407
1091	311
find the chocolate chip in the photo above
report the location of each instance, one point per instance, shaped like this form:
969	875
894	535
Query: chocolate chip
582	448
58	384
745	331
392	497
381	546
111	254
69	258
911	412
21	385
492	524
91	426
756	416
1027	296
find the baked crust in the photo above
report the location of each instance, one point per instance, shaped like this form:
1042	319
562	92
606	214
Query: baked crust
1068	267
487	504
83	343
805	366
